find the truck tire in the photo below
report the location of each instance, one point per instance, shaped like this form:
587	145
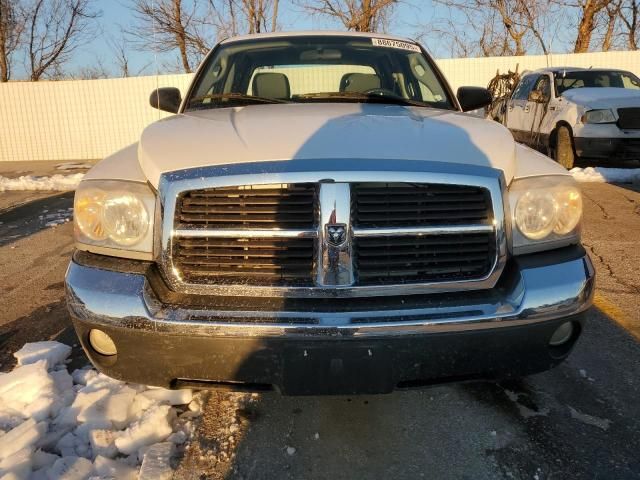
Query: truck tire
563	152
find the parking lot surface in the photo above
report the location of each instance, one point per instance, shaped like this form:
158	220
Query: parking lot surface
580	420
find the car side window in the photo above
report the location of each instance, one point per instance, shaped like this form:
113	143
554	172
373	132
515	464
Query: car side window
630	82
524	87
543	86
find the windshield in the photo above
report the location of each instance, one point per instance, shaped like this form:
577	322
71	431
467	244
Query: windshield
318	69
595	79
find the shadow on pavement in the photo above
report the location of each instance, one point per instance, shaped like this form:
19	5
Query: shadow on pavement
29	218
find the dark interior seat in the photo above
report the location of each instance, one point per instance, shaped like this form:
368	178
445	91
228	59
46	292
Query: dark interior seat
359	82
271	85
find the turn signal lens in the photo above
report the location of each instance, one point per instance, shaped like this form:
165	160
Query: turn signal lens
88	213
569	210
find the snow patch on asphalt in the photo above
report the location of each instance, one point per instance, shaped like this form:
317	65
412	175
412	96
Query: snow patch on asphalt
606	175
54	424
57	182
601	423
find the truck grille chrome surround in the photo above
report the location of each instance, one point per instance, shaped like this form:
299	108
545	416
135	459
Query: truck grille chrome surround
332	247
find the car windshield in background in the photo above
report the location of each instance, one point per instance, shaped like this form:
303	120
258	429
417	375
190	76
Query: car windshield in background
595	79
318	69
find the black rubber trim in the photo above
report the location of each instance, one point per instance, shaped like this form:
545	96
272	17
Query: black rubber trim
550	257
322	365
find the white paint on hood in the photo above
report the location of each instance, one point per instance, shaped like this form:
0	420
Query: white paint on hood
322	131
603	97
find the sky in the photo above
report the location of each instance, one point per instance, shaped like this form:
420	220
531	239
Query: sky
116	14
410	19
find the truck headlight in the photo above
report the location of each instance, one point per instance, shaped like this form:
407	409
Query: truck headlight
599	116
546	213
115	216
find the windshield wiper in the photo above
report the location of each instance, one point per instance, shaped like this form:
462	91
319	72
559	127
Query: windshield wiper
363	97
239	97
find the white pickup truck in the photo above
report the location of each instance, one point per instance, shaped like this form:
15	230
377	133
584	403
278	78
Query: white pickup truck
574	113
320	217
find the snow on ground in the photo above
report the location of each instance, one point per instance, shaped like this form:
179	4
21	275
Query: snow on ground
86	425
58	217
55	182
602	174
73	166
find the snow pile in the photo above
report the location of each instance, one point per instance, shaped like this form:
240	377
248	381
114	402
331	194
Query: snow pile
55	425
29	182
602	174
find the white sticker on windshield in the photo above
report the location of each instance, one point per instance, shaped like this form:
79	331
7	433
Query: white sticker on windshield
385	42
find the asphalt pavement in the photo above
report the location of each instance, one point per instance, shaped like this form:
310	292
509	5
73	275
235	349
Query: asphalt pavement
580	420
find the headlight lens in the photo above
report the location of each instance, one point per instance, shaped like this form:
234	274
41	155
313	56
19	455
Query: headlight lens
125	218
116	215
599	116
536	214
546	213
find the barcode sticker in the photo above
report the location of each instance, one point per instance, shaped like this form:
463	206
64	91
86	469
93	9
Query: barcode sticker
385	42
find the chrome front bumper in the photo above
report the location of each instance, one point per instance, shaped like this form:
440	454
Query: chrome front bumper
337	346
540	288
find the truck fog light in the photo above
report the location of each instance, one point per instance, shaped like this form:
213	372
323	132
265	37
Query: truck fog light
102	343
562	334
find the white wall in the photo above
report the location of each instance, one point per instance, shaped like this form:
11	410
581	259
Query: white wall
89	119
479	71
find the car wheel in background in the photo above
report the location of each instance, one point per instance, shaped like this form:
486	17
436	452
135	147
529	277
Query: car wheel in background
563	152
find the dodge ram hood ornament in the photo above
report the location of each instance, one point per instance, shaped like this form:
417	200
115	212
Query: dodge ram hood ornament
336	234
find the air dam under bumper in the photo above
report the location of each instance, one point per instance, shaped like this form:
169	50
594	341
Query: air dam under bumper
503	333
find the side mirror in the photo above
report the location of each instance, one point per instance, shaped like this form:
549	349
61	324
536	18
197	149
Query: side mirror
473	98
537	96
166	98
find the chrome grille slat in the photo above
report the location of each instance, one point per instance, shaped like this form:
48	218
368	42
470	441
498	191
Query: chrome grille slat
268	261
388	251
291	206
407	204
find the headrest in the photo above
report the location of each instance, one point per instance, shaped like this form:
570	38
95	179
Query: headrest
359	82
271	85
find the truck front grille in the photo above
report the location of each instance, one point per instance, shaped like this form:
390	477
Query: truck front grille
254	261
324	235
629	118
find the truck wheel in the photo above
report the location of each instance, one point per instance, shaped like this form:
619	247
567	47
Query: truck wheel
563	152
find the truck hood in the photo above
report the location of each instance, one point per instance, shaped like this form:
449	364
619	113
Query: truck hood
285	132
603	97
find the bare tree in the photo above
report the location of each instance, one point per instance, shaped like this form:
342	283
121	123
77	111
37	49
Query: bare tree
94	72
120	54
501	27
612	13
358	15
191	28
589	12
11	27
169	25
54	29
231	17
629	16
